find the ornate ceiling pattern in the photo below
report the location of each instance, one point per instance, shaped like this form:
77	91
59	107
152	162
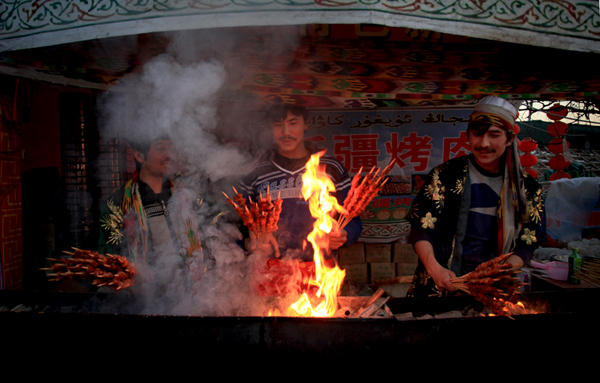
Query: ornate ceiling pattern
563	24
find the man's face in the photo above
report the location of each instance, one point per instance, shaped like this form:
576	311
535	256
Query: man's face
158	161
288	134
488	147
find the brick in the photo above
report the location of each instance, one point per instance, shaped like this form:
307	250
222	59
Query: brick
382	271
404	253
352	255
405	269
378	253
357	273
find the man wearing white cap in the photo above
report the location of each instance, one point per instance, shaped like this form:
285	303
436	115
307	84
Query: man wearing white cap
476	207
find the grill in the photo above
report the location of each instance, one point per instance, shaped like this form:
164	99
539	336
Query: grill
56	318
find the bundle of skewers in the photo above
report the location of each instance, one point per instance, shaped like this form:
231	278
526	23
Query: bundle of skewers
259	216
106	270
362	193
492	283
589	272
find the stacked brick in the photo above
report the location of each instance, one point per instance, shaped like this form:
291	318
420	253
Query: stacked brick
376	263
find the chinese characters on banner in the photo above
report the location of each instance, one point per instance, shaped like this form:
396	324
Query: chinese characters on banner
418	140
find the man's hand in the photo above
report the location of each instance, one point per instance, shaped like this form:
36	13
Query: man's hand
516	262
269	244
441	275
337	239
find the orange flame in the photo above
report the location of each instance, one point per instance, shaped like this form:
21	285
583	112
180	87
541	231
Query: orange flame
509	309
316	188
273	313
519	308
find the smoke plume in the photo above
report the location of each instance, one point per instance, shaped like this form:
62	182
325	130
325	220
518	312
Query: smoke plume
177	95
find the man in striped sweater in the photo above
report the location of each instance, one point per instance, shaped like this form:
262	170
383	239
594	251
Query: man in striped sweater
280	171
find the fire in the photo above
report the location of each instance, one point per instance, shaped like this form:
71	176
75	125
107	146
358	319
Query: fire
509	309
519	308
316	189
273	313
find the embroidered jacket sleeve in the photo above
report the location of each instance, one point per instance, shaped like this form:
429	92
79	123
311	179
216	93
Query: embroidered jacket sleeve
103	246
533	232
435	210
111	225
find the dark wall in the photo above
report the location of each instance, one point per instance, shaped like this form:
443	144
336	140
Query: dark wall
49	118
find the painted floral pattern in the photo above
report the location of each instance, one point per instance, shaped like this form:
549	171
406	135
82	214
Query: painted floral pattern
560	17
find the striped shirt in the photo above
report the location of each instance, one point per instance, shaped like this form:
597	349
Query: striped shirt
283	177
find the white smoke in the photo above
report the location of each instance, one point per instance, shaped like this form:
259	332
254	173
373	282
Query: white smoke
176	95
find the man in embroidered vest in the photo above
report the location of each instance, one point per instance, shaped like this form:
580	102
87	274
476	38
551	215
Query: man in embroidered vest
476	207
280	171
152	213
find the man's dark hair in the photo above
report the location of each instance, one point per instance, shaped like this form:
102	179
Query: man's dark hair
142	145
479	128
279	112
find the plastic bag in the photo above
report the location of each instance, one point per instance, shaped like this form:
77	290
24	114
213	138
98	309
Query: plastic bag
569	204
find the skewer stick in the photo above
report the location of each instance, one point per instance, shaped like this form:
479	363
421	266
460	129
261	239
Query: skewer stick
587	270
591	280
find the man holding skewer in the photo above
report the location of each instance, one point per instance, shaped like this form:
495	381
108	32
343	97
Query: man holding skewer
279	172
477	207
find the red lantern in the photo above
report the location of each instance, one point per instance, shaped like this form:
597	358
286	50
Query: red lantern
528	160
558	128
557	112
556	145
558	163
559	175
528	144
532	172
516	128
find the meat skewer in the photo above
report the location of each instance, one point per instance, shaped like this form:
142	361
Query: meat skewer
491	283
362	193
107	270
261	216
